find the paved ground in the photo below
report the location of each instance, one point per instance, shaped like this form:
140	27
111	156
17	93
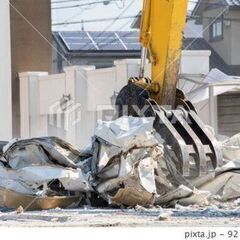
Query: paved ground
90	217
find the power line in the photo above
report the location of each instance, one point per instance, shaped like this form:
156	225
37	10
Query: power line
83	4
117	18
119	29
66	1
131	17
116	1
75	15
95	20
78	13
192	1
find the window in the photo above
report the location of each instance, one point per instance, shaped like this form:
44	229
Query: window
217	30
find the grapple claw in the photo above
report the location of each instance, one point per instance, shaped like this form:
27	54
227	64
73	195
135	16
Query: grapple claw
195	147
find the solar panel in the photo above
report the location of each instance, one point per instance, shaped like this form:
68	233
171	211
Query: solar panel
81	47
78	40
106	47
102	41
101	34
107	41
130	40
73	34
133	47
124	34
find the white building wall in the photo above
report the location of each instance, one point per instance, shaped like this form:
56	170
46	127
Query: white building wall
195	62
5	73
89	91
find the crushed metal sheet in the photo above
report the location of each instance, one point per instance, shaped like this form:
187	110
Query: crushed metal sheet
41	173
41	151
127	164
11	199
231	148
128	155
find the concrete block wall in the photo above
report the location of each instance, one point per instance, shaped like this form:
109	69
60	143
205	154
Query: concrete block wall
68	105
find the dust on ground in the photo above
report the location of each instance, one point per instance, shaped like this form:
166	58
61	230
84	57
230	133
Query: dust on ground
227	215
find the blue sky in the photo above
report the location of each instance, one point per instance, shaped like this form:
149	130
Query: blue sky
96	11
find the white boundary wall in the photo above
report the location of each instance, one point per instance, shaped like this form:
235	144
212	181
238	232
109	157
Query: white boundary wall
90	91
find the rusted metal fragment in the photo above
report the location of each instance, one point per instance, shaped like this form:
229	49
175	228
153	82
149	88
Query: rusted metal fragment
132	197
11	199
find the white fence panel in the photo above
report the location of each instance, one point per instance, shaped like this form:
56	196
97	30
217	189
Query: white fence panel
68	105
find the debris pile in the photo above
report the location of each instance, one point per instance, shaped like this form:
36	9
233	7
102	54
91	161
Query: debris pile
127	164
40	173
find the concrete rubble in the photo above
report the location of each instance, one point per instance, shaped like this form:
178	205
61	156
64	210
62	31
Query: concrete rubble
127	164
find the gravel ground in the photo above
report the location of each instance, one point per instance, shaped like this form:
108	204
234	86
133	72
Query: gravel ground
222	215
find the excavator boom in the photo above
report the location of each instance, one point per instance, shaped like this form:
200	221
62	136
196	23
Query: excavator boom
161	32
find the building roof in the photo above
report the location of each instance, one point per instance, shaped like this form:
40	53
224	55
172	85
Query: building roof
203	4
192	41
98	41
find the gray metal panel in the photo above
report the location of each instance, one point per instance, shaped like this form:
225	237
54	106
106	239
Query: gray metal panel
229	114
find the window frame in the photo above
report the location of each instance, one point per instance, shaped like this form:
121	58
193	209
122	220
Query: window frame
213	25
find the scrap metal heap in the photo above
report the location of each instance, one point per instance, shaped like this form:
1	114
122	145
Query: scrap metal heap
128	164
152	156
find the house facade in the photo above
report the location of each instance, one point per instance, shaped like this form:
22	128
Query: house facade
221	23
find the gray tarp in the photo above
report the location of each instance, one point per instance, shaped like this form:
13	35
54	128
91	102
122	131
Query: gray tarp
127	164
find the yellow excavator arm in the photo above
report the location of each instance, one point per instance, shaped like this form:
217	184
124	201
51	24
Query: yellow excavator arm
162	27
185	137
